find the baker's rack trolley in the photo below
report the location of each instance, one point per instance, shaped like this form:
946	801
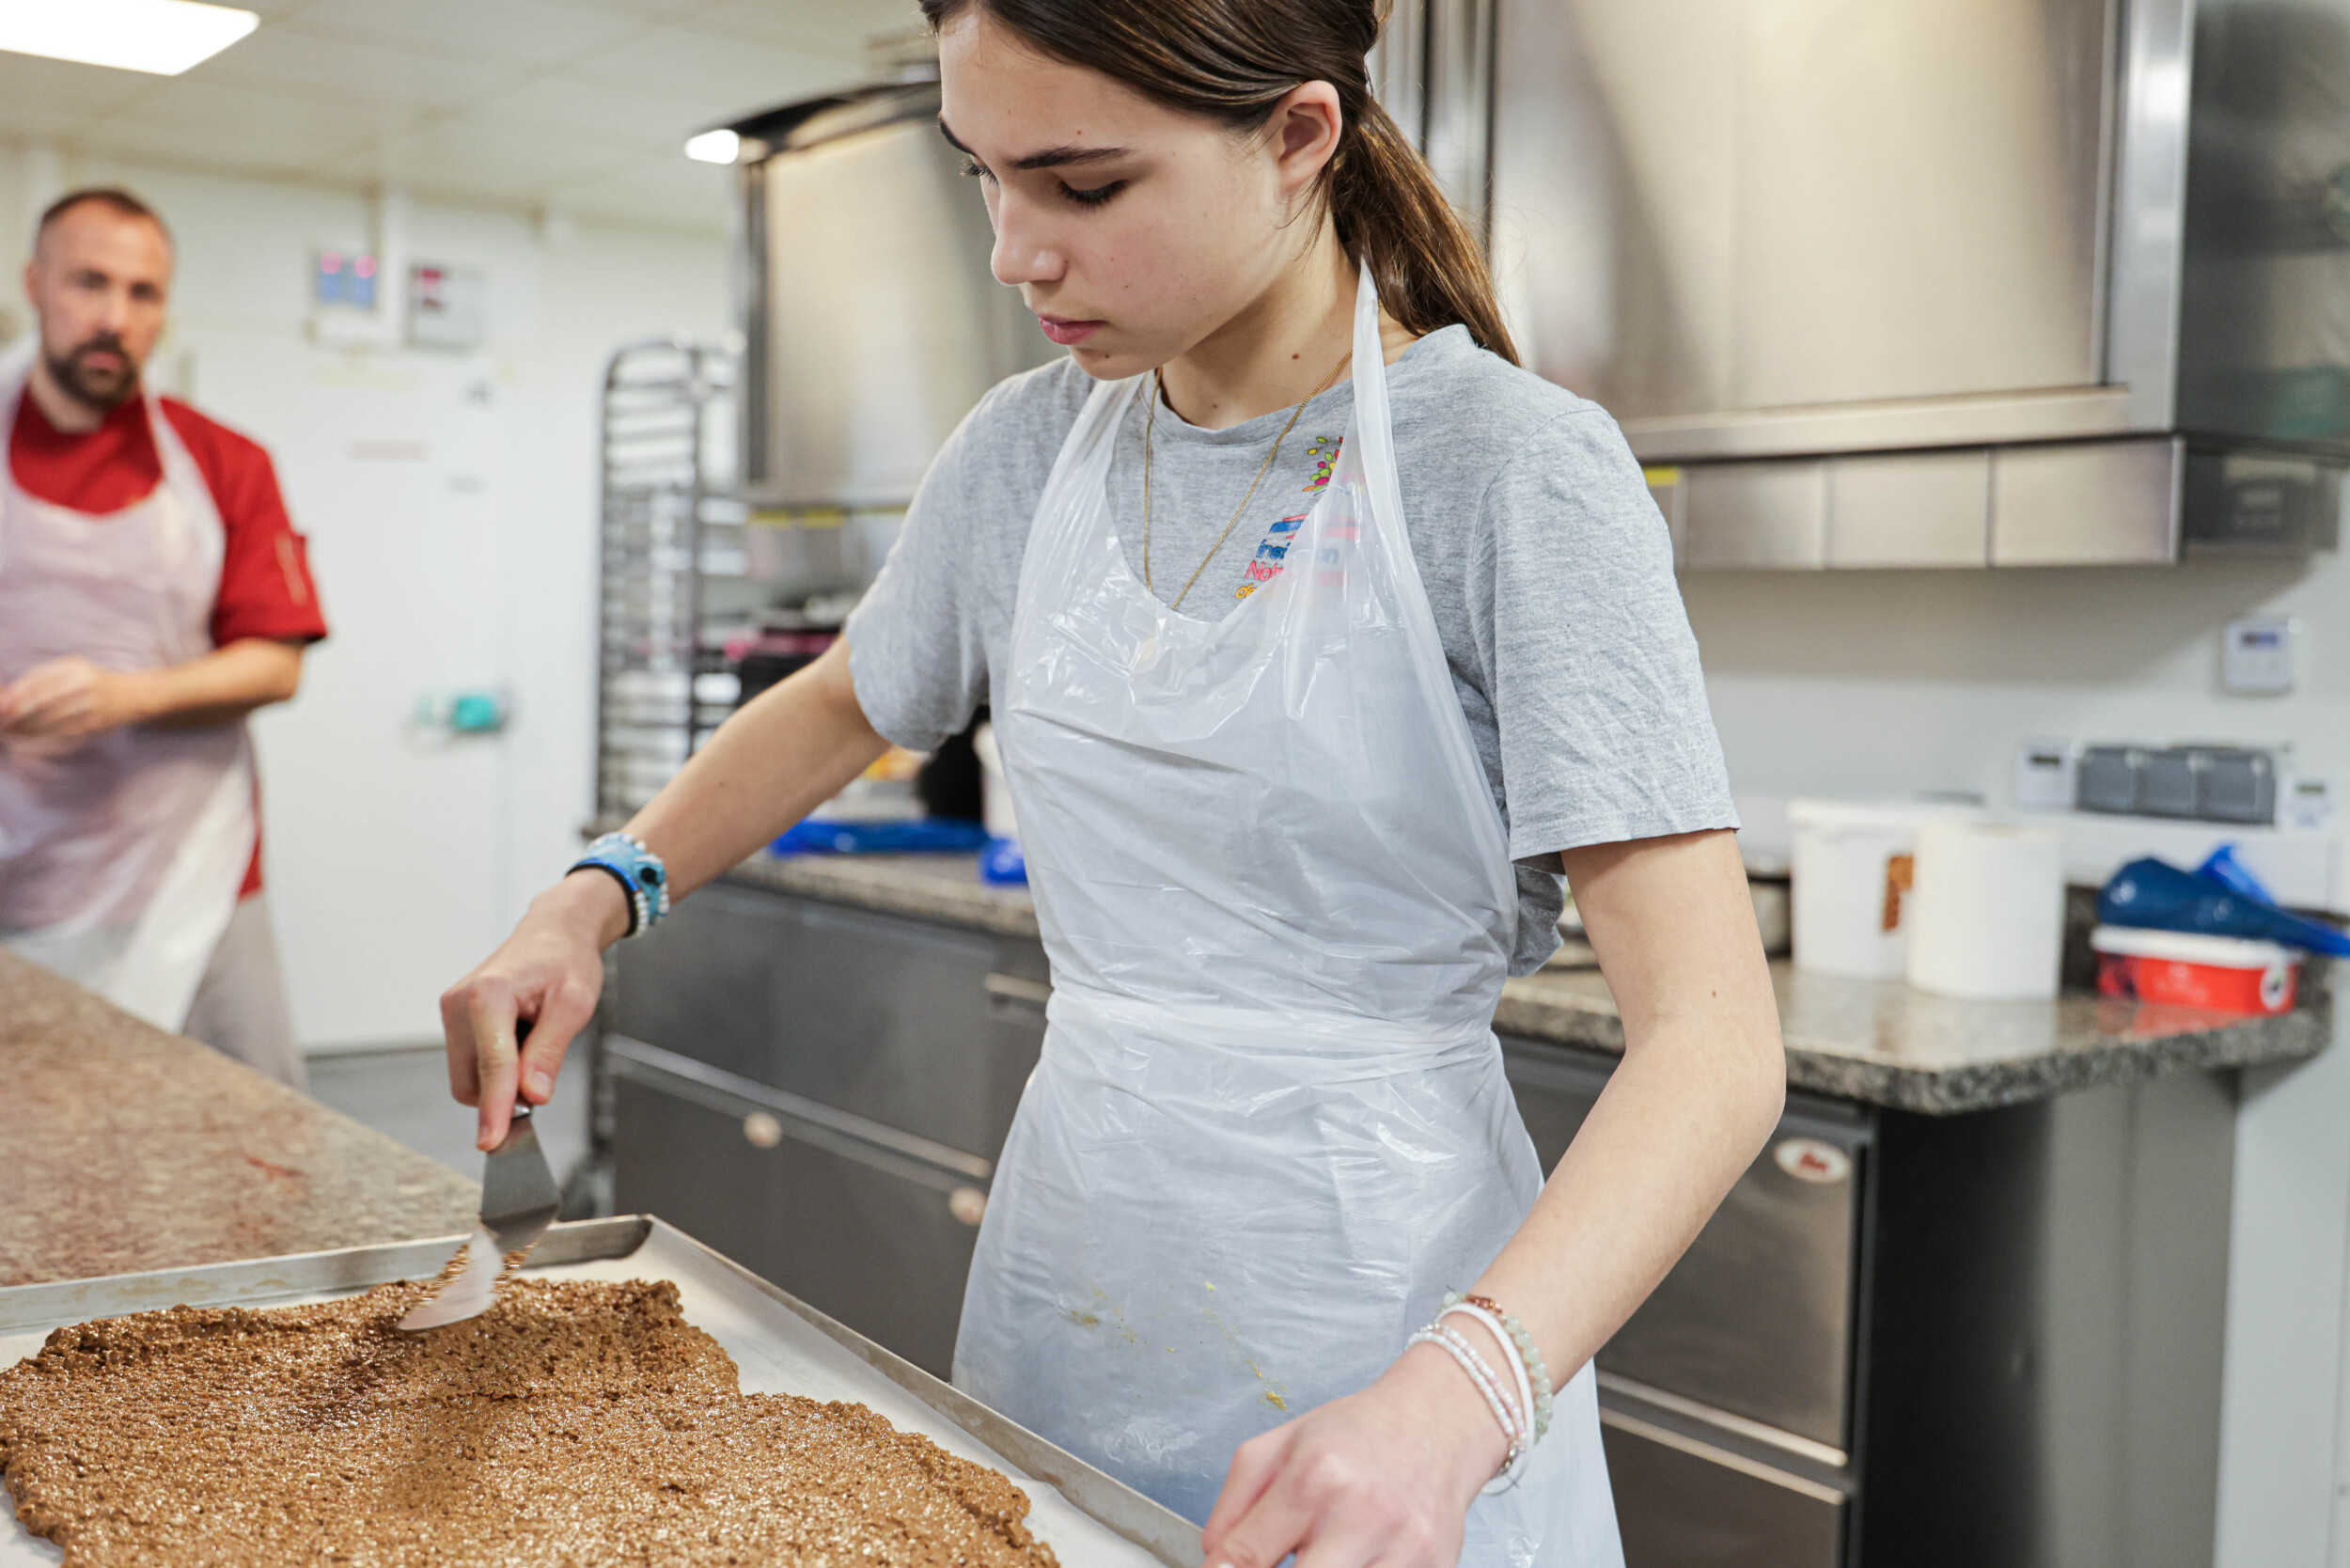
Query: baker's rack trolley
671	527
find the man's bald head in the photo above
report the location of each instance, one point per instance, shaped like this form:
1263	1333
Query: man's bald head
111	198
98	279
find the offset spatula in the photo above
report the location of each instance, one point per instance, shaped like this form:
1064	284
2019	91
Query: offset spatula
519	1200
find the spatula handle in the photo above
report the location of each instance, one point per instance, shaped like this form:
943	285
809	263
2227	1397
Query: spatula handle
522	1106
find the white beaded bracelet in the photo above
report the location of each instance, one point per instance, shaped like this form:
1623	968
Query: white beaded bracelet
1507	1327
1489	1385
1522	1425
1488	1382
1523	1390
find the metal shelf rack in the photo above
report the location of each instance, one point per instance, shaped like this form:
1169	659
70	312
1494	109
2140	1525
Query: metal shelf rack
667	504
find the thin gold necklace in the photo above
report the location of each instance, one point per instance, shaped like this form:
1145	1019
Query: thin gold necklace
1157	391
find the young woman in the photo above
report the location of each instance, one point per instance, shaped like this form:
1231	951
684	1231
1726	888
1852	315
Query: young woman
1319	638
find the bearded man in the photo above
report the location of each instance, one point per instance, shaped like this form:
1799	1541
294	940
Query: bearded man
153	593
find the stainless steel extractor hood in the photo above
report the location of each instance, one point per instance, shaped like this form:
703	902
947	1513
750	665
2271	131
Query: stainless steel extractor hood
871	321
1939	282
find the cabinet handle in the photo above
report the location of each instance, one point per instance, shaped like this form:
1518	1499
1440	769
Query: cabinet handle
771	1117
968	1204
1013	991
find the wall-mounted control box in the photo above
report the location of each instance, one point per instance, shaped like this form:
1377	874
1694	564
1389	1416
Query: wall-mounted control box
2256	654
2044	774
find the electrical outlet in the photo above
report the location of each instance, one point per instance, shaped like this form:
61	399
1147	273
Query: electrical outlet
2309	803
2044	775
2256	654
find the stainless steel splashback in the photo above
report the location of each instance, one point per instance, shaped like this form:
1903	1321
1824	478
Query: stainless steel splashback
1941	282
872	321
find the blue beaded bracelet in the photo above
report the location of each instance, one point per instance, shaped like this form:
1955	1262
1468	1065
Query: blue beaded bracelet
640	874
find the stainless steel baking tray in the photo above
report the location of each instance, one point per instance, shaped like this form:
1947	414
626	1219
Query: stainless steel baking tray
780	1344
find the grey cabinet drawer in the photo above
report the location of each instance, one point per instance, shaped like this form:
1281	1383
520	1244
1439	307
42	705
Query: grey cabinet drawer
862	1230
698	984
902	1021
1681	1505
1756	1320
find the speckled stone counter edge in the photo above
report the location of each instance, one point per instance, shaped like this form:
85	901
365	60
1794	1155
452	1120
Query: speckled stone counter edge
1539	1009
130	1150
885	884
1970	1087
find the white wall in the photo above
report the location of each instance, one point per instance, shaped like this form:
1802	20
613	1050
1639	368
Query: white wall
1855	682
450	500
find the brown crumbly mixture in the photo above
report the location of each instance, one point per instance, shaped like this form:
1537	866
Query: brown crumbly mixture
572	1422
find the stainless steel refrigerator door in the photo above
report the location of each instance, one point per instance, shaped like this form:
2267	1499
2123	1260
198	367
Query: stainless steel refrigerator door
876	323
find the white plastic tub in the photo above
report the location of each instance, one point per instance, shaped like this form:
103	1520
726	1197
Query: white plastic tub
1853	864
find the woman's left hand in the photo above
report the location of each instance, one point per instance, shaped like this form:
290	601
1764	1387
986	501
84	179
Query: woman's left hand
1383	1477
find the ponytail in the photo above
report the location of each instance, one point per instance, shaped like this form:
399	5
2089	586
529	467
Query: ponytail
1232	61
1392	219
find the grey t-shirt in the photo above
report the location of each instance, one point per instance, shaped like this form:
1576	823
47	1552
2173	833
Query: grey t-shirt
1547	567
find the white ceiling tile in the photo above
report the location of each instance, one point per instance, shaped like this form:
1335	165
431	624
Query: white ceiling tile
663	193
227	148
613	116
285	60
579	103
326	125
526	32
644	10
68	91
731	77
834	27
34	122
481	162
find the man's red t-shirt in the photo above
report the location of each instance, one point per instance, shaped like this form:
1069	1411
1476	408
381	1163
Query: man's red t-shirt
265	585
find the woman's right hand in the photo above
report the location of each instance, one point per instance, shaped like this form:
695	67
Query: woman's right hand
549	974
787	750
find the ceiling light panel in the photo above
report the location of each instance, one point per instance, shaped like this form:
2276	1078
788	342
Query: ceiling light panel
161	37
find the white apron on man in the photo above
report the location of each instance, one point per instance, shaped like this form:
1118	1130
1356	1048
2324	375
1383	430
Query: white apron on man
1270	1126
121	854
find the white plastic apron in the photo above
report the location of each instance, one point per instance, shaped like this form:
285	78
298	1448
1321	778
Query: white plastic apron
121	854
1270	1126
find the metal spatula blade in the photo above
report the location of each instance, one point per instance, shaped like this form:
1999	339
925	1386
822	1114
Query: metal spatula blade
519	1201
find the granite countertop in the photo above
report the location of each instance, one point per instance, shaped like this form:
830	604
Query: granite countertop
1874	1040
927	887
1887	1043
129	1149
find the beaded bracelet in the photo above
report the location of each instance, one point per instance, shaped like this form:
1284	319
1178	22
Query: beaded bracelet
643	879
1523	1391
1488	1384
1510	1331
1529	1355
1514	1400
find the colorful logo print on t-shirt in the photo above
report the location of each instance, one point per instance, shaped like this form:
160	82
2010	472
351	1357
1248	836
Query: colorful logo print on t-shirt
1274	547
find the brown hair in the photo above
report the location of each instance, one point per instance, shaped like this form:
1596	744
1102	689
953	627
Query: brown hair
113	197
1231	61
